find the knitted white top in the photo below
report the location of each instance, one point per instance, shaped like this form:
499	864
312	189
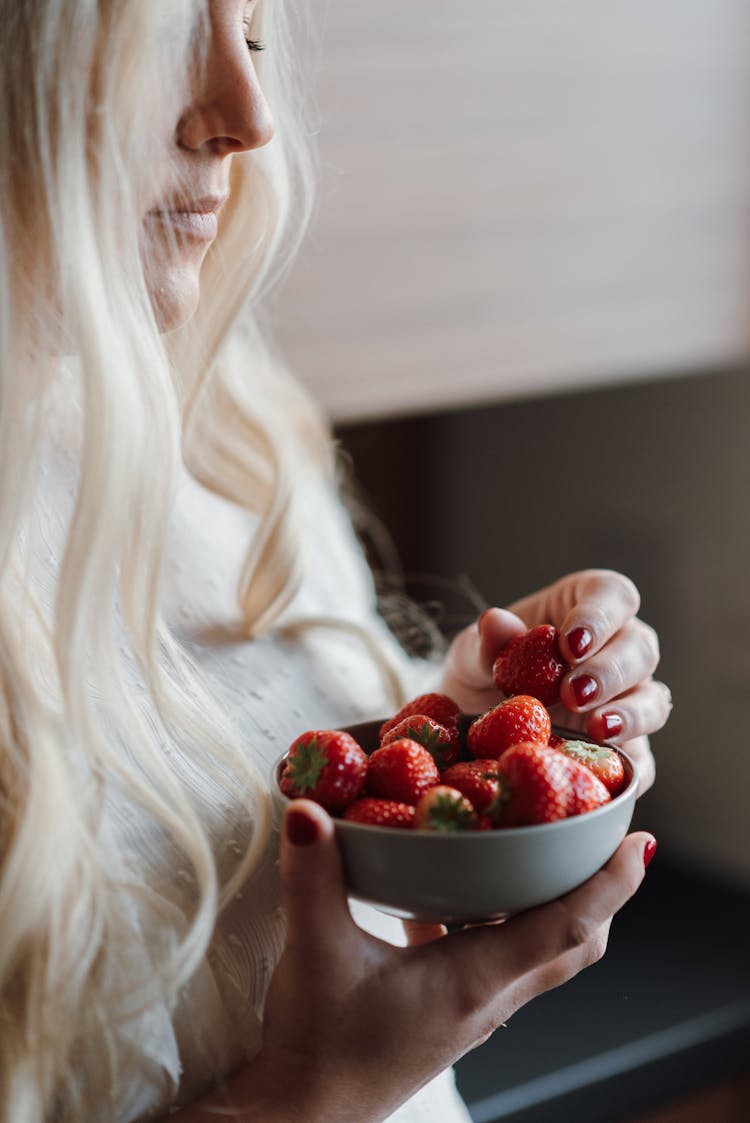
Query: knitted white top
274	689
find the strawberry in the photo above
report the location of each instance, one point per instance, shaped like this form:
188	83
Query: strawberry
522	718
531	664
441	742
327	766
402	771
604	762
443	808
555	741
545	785
380	813
481	781
439	707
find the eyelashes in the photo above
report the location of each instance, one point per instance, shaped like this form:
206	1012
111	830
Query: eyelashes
254	45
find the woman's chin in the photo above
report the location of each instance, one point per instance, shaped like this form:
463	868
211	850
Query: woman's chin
175	298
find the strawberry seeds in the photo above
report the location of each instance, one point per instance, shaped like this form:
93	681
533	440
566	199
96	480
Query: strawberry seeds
506	769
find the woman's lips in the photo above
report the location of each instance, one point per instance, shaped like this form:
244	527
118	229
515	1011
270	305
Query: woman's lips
197	218
197	224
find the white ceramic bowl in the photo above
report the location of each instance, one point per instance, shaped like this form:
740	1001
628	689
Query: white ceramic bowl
477	875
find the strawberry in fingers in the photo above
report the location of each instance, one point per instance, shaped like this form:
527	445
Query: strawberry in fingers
531	664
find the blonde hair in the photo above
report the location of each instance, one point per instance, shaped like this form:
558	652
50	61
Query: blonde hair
80	81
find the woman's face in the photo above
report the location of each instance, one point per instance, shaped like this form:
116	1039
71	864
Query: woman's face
226	113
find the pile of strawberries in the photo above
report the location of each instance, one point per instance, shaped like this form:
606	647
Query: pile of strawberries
506	770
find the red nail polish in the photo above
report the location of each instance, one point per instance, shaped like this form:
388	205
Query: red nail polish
648	851
612	725
486	612
585	689
301	830
579	641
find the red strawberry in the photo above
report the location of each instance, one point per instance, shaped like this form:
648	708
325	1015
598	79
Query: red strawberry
327	766
555	741
531	664
545	785
441	742
439	707
402	771
605	763
380	813
481	782
516	719
444	809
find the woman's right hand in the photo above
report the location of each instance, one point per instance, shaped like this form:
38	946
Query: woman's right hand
354	1026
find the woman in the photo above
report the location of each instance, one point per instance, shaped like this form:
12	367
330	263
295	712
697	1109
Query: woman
181	594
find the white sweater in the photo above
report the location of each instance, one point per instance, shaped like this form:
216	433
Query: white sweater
273	689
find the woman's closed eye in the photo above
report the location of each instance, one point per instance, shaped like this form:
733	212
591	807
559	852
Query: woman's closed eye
253	44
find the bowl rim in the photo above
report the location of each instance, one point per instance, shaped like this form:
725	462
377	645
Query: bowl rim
474	837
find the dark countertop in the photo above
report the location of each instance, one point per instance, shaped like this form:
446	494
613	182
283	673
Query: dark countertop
667	1011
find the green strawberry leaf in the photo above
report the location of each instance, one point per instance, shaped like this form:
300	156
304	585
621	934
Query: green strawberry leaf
430	740
306	765
447	814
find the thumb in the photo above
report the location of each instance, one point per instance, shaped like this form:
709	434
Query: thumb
496	627
312	877
467	670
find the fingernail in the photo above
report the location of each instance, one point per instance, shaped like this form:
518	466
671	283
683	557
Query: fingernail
648	851
486	613
301	830
579	641
612	725
585	688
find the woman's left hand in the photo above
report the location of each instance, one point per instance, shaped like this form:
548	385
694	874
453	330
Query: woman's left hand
608	691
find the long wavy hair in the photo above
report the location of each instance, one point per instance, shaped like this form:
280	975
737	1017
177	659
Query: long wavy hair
83	84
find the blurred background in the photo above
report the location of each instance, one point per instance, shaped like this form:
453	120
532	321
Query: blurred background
525	301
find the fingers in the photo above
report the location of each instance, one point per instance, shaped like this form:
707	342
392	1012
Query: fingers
617	697
312	879
596	605
541	935
615	689
545	946
636	713
611	652
639	751
496	627
467	675
587	607
609	691
564	968
629	658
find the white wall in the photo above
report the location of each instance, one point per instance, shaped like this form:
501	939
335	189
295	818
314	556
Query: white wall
523	195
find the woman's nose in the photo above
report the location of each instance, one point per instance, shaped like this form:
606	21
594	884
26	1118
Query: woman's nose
228	111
